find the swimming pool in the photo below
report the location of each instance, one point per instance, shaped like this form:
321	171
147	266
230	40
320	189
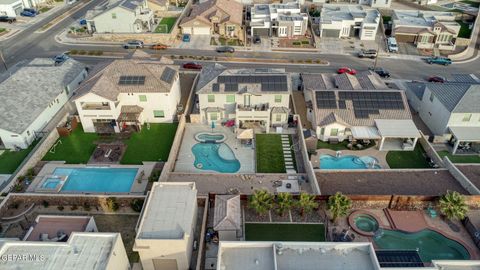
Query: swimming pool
96	179
431	245
215	157
51	183
350	162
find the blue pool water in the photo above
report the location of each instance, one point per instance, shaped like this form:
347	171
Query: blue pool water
51	183
210	137
215	157
97	179
350	162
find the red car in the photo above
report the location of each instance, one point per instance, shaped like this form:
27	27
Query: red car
192	65
438	79
348	70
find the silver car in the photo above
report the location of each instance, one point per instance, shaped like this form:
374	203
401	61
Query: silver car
133	44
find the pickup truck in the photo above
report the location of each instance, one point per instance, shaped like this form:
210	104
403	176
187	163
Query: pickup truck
438	60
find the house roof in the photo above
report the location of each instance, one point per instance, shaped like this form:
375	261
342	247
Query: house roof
416	88
226	10
397	128
227	215
324	81
129	76
336	12
457	97
466	134
30	88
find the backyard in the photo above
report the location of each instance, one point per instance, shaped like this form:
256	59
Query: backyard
165	25
269	153
460	158
341	146
285	232
407	159
10	160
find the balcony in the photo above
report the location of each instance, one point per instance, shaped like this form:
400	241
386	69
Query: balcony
256	112
258	107
145	15
95	107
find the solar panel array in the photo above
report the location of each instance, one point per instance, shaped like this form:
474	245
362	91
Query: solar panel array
364	103
168	75
268	82
131	80
399	258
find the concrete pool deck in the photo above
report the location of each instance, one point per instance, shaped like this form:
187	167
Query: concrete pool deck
49	168
381	156
185	158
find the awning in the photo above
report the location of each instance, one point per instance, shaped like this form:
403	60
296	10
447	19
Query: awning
397	128
244	134
466	134
365	133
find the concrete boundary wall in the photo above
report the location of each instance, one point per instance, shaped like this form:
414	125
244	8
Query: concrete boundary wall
430	151
460	177
308	166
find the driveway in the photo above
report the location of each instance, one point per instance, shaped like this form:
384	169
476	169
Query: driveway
199	42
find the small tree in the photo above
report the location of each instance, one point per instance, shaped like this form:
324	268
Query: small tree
284	203
453	205
112	204
261	201
338	205
306	203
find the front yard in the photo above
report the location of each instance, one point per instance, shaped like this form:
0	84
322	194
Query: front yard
460	158
465	31
165	25
10	160
407	159
269	153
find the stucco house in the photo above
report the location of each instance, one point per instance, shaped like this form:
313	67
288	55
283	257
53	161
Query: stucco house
450	110
425	29
31	96
126	94
370	3
221	17
253	98
121	16
11	8
345	107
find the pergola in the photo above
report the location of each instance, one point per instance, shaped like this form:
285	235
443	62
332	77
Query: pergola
464	134
399	129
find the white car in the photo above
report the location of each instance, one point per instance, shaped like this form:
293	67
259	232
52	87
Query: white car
392	45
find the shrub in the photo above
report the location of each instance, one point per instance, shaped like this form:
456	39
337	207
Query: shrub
14	205
21	178
154	176
137	205
99	53
91	52
86	206
30	172
73	52
81	52
60	207
305	42
296	43
45	204
73	207
112	204
18	187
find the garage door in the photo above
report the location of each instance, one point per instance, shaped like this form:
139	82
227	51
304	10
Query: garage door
165	264
330	33
18	9
261	32
200	31
187	30
405	38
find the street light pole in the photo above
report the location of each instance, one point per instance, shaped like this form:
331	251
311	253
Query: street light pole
3	60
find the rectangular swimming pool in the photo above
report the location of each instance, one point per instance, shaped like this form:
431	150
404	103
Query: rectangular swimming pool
92	179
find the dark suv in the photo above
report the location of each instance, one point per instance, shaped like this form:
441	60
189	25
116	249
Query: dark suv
225	49
381	72
7	19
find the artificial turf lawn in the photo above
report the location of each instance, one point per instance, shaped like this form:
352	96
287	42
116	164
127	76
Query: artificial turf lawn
269	153
460	158
407	159
169	21
10	160
284	232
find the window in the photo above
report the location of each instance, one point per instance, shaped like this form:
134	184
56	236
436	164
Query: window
334	132
114	15
28	133
431	97
213	116
278	117
211	98
467	117
278	98
230	98
423	39
66	90
322	131
143	98
158	114
104	103
231	28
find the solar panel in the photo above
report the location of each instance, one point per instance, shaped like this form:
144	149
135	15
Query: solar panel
399	258
131	80
231	87
168	75
216	87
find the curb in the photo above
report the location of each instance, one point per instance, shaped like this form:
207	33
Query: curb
247	62
65	15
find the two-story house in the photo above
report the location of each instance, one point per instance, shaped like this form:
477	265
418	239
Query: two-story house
31	95
128	93
252	98
121	16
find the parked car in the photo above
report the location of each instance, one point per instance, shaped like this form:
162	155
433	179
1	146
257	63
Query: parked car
7	19
186	38
225	49
60	58
367	53
192	65
31	10
83	22
133	44
437	78
348	70
27	14
158	46
257	40
381	72
439	60
392	45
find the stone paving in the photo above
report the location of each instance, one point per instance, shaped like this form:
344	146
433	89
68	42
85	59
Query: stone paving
287	155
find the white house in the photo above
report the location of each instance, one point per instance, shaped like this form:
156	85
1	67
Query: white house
32	95
253	98
165	232
370	3
339	21
450	110
121	16
279	20
345	107
11	8
128	93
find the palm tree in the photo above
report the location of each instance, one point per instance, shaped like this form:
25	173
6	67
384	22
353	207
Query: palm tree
284	203
338	205
261	201
453	205
306	203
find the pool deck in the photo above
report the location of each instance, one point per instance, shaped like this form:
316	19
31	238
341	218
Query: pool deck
185	157
137	187
381	156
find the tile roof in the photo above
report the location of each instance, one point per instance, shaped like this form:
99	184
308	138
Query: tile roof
227	213
225	10
105	81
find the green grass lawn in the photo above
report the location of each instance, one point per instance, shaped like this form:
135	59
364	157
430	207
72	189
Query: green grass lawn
45	9
284	232
74	149
461	158
465	32
386	19
407	159
169	21
10	160
150	144
269	153
340	146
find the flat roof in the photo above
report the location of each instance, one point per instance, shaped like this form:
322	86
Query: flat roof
470	134
169	212
341	12
51	225
457	265
31	87
296	255
82	251
397	128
